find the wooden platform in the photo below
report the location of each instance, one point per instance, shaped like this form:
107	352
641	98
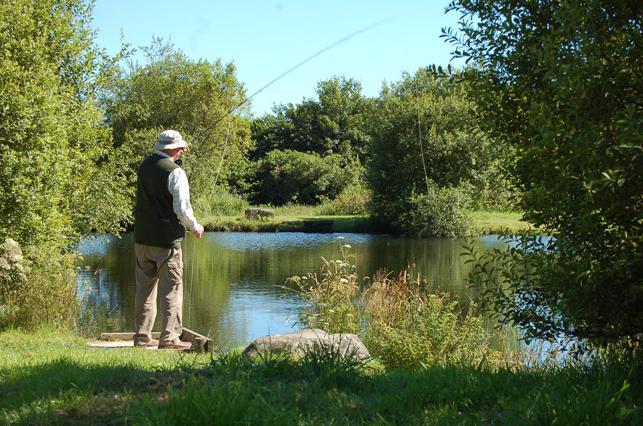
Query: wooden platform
199	342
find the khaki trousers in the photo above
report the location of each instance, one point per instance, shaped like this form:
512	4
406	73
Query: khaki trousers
158	269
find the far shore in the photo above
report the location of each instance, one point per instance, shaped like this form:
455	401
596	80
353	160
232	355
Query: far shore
482	223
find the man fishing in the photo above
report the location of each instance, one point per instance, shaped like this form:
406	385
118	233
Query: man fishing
161	215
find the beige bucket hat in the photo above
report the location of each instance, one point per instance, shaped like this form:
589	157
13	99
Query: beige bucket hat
170	139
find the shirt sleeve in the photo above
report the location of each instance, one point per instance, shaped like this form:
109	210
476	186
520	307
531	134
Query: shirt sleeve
177	184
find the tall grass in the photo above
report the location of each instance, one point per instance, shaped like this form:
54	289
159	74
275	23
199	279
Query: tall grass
400	319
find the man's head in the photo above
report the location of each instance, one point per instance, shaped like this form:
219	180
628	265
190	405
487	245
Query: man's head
171	142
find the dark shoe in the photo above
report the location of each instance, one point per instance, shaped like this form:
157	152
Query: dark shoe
145	343
180	346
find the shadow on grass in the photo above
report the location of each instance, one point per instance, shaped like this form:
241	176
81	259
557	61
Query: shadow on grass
69	390
235	390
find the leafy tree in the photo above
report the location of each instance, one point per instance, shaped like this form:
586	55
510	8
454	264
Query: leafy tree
404	170
561	82
335	123
51	138
298	177
193	97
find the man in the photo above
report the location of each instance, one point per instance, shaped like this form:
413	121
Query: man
161	215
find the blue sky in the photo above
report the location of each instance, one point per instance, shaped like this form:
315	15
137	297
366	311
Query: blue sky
264	38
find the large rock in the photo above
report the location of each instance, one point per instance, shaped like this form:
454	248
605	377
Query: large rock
299	342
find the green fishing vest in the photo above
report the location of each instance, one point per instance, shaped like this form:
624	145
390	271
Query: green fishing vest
155	223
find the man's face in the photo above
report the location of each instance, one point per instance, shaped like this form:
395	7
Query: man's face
178	151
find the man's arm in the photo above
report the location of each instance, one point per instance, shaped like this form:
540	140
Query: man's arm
179	187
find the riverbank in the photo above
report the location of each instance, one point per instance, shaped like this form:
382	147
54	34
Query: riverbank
482	223
51	377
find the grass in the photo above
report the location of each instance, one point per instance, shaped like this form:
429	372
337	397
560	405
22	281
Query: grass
54	378
493	222
307	219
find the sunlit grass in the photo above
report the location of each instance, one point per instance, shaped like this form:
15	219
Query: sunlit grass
53	378
493	222
301	218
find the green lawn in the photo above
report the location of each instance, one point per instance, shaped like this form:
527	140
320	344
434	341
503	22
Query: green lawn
305	219
54	378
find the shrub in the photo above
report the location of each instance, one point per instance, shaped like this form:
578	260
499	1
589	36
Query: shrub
439	213
39	289
331	296
560	83
399	319
220	203
426	140
298	177
353	200
409	325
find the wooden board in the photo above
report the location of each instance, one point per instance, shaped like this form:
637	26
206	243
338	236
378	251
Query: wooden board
199	342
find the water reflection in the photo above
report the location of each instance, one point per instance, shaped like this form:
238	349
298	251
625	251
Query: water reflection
234	282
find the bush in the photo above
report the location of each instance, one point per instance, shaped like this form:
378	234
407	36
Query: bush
399	319
409	325
297	177
353	200
440	213
425	144
560	83
36	290
220	203
331	296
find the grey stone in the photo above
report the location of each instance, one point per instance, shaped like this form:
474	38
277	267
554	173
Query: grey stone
299	342
254	213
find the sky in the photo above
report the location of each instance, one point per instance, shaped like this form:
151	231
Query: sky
265	38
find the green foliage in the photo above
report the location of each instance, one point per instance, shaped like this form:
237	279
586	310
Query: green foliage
561	84
408	325
220	203
353	200
336	123
297	177
400	320
439	213
406	171
172	91
331	297
51	139
53	147
37	289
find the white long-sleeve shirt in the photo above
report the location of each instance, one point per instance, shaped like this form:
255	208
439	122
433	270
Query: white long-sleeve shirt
177	184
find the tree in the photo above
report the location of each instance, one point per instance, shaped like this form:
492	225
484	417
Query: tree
298	177
51	137
417	182
193	97
335	123
561	82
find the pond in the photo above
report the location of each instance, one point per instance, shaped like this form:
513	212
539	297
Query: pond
235	282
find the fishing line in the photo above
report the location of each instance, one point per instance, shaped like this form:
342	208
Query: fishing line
308	59
417	107
276	79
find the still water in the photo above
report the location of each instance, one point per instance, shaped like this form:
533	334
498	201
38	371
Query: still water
235	286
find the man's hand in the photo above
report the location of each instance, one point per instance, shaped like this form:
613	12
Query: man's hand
198	232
